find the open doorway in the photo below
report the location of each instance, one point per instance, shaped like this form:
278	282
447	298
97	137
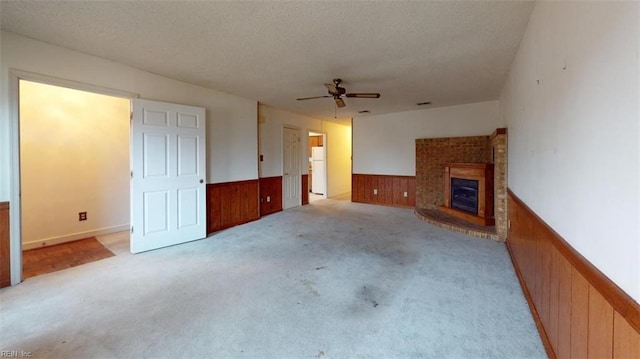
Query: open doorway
74	170
317	166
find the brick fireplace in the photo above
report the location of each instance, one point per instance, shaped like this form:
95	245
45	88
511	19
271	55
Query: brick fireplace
432	154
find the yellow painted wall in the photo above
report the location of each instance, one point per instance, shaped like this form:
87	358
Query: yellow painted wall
74	149
338	158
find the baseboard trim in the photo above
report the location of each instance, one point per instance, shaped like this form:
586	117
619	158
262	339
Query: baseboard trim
51	241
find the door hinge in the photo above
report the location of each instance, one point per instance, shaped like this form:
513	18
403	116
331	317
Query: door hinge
131	174
131	229
131	116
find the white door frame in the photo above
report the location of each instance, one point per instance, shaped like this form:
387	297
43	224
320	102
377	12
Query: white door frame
15	220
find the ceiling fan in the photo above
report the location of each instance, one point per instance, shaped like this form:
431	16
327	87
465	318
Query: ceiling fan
336	92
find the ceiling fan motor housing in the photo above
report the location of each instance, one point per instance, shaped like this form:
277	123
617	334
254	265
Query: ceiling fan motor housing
339	90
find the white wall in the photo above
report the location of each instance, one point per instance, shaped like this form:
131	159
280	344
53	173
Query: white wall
231	120
385	144
74	157
571	105
338	158
271	132
338	146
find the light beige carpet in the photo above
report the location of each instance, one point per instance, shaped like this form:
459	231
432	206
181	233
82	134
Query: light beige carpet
329	280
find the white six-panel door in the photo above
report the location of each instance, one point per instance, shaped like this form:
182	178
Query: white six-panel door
291	181
168	172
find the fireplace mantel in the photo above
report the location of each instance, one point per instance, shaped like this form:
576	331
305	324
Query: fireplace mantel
483	174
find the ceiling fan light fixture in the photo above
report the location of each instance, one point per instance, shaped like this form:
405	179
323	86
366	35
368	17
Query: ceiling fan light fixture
335	91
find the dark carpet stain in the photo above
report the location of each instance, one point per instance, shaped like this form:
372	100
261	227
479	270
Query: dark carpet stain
370	295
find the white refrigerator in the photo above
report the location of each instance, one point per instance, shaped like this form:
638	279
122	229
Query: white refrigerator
318	185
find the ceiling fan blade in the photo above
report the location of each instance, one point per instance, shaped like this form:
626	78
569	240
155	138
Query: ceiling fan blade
363	95
311	98
332	89
339	102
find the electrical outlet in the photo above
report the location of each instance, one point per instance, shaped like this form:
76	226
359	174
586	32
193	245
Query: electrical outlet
405	194
268	198
82	216
375	191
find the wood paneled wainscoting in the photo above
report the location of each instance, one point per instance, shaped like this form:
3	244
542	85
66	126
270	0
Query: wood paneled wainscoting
270	195
397	191
305	189
5	268
232	203
580	313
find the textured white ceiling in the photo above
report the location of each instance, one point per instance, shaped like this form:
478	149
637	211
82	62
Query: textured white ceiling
448	52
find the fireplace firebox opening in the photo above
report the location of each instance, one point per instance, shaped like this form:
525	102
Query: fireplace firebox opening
464	195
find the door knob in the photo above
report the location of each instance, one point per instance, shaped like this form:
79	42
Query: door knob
201	180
